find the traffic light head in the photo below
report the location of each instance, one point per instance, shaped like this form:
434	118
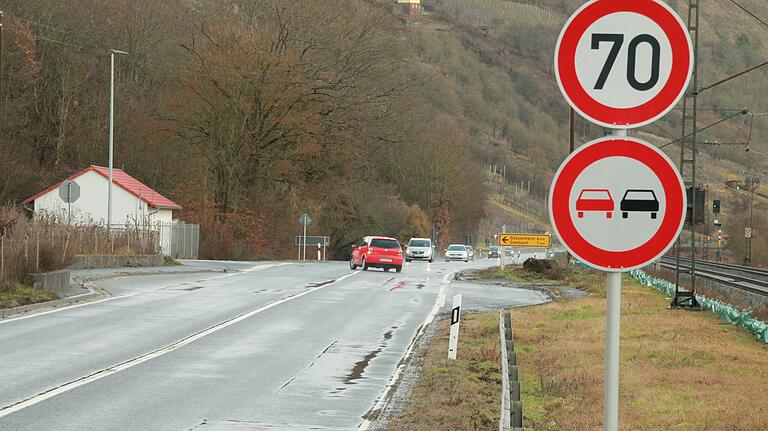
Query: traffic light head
716	206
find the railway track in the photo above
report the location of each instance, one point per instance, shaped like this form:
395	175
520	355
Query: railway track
746	278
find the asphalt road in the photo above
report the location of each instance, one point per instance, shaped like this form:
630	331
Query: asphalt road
275	346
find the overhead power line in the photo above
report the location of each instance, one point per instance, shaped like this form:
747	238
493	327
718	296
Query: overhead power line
749	13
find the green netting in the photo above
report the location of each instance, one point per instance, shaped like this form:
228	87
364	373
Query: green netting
725	311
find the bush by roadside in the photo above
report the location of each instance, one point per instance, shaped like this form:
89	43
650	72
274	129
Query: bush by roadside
44	244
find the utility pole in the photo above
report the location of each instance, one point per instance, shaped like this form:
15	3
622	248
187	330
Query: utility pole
688	298
571	146
2	93
706	224
749	232
111	137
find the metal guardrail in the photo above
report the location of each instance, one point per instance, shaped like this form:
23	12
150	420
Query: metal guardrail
511	406
505	418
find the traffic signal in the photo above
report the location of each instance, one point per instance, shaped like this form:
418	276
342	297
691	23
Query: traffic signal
716	206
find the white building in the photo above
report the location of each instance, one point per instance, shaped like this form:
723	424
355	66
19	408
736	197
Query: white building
132	201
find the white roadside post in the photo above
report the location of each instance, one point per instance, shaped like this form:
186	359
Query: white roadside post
453	340
318	252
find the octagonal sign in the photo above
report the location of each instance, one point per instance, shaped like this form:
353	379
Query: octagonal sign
617	203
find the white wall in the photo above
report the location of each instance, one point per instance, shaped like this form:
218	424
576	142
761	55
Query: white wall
161	216
91	207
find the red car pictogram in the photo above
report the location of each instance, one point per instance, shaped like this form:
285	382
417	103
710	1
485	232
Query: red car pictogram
595	200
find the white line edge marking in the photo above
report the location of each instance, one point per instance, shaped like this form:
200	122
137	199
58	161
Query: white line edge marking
105	372
128	295
383	398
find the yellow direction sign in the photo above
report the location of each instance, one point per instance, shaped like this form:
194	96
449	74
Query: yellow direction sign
524	240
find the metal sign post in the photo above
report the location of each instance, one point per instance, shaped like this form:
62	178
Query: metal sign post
602	59
305	221
453	341
616	223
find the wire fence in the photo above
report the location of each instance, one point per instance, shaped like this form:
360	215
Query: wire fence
29	246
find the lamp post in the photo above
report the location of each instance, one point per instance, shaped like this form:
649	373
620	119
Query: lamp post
111	135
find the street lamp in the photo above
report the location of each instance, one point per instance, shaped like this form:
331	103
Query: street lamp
111	134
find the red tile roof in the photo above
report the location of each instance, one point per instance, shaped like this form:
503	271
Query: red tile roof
127	182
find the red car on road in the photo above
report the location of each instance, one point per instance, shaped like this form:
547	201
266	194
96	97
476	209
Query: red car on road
377	252
595	200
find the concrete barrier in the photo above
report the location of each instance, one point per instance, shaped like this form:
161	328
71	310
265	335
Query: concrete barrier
81	261
56	282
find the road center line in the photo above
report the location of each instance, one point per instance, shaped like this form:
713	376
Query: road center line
12	408
128	295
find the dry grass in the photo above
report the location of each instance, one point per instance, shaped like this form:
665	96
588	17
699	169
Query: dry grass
461	394
17	295
680	370
44	244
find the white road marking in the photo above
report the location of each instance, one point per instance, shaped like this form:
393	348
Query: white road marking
12	408
385	395
128	295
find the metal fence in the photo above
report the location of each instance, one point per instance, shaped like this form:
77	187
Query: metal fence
179	240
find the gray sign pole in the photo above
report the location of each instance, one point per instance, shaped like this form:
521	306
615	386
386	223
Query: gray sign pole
612	343
69	203
305	239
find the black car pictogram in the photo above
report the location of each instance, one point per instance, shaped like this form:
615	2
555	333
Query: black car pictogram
639	201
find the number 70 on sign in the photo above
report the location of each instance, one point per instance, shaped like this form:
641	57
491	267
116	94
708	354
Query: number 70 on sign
623	64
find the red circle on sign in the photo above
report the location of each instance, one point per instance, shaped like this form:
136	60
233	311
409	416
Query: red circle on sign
637	116
658	163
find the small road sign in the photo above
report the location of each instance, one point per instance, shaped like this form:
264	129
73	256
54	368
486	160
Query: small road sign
305	220
524	240
617	203
747	232
69	191
623	64
313	240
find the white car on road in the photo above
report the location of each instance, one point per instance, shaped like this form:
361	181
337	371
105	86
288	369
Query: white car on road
456	252
420	249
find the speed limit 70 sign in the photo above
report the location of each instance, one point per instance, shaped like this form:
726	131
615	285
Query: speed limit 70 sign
623	64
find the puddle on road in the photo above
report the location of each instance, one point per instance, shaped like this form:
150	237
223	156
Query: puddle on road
319	283
358	370
406	284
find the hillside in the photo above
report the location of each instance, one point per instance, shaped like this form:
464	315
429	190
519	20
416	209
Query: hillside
497	55
251	114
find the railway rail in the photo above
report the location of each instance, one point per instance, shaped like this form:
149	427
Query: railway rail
754	280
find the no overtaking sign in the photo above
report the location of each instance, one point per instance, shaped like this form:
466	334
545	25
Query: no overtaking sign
617	203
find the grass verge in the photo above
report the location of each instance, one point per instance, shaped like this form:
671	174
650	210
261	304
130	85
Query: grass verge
461	394
18	294
680	370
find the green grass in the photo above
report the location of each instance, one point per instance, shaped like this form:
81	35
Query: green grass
169	261
18	294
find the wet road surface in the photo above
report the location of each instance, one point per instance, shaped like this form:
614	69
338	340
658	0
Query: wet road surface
276	346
